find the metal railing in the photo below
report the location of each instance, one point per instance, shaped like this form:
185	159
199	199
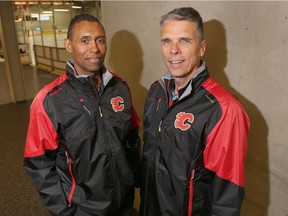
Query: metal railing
52	59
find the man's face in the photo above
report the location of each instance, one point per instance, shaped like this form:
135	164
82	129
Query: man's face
88	47
181	49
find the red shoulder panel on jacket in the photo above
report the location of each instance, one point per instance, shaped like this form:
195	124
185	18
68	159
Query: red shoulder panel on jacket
41	135
226	145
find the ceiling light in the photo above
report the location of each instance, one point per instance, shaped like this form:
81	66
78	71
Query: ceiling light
61	10
19	3
76	7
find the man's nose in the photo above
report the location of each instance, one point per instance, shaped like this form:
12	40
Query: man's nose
95	46
175	48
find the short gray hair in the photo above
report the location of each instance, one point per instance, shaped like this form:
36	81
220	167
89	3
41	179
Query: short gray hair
188	14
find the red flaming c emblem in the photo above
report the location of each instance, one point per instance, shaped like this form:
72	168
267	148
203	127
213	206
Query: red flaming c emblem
183	120
117	104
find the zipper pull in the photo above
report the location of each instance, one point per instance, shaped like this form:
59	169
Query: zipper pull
83	105
100	111
192	174
67	157
159	128
158	103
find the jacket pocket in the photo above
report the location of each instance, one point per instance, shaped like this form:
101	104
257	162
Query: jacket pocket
63	166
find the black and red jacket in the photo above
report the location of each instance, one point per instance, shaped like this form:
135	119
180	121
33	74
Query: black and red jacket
82	147
194	150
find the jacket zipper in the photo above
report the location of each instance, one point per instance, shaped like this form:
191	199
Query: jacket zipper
111	161
73	181
83	105
97	95
190	201
158	103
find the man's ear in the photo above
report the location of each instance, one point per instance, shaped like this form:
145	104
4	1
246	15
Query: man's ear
203	48
67	44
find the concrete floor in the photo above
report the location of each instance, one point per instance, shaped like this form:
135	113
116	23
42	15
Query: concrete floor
17	196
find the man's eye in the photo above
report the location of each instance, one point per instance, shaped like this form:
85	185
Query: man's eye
84	41
101	41
164	42
185	41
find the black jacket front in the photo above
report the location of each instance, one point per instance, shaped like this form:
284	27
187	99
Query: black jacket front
194	150
82	146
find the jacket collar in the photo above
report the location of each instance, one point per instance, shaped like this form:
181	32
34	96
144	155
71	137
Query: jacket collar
106	75
199	77
168	75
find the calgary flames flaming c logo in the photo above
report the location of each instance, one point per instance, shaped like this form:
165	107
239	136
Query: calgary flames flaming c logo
117	104
183	120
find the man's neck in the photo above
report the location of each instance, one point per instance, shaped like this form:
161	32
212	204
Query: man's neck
97	79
